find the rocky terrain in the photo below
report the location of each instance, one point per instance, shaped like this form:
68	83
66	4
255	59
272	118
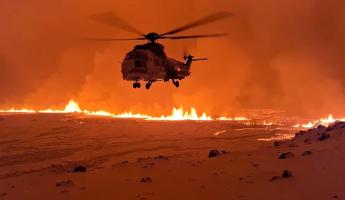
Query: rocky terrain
73	157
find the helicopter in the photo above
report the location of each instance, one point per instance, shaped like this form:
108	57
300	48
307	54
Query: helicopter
148	62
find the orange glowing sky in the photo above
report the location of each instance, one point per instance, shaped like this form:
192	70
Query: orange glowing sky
280	54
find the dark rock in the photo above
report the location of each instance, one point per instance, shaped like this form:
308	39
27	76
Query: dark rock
120	163
4	194
276	143
67	183
301	133
275	178
213	153
306	153
340	124
83	188
254	164
336	125
286	174
324	136
307	141
335	197
286	155
160	157
223	152
292	144
79	168
146	180
143	159
1	119
330	128
320	126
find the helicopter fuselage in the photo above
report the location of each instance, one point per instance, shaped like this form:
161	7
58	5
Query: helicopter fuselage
149	63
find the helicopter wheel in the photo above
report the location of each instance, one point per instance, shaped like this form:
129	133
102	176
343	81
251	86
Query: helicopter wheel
136	85
148	85
177	83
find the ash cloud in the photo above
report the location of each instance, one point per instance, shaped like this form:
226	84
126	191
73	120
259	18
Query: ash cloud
280	54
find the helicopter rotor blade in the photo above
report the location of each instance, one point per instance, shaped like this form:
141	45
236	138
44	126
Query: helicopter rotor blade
111	19
205	20
194	36
112	39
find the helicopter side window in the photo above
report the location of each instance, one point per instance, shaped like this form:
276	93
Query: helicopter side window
157	62
140	64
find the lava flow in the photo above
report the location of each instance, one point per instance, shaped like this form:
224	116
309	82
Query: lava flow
177	113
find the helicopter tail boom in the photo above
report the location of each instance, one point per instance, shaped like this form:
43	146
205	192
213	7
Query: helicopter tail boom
189	59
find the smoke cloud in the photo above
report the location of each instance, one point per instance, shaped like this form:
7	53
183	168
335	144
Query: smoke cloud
280	54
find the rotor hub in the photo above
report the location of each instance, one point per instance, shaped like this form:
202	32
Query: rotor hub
152	37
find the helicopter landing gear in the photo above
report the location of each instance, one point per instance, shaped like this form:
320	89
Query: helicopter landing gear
148	85
176	83
136	85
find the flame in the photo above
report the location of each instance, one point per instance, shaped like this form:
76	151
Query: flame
232	119
177	114
323	121
267	123
73	107
180	114
12	110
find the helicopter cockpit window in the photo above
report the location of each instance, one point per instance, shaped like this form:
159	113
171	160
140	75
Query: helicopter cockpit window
144	57
138	56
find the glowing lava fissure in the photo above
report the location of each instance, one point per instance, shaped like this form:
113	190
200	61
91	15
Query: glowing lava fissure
178	114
